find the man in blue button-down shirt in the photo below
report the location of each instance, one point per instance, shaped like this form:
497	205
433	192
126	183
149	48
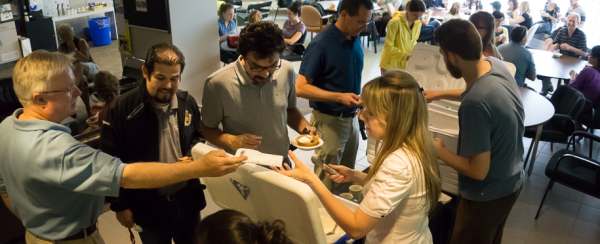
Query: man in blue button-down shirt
330	77
56	184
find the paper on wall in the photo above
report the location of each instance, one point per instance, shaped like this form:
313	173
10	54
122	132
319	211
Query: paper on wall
36	2
121	29
141	6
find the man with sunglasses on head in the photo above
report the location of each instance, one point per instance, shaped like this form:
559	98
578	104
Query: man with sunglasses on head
330	77
254	98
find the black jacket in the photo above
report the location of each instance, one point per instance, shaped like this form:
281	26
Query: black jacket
130	132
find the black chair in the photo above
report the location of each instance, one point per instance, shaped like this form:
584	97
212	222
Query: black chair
296	49
371	33
243	14
567	102
574	170
8	98
132	76
591	120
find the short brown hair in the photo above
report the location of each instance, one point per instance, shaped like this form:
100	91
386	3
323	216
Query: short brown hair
461	38
154	56
106	85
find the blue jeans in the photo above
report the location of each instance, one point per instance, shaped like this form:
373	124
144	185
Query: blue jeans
427	31
544	28
178	222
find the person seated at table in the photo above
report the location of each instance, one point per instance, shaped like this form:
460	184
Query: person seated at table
513	9
229	226
571	41
108	89
434	4
454	12
254	98
293	28
516	53
588	83
383	17
550	15
485	24
254	17
403	32
500	32
69	43
403	184
524	19
497	6
226	23
468	6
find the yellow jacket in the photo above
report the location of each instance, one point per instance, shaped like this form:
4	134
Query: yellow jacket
399	42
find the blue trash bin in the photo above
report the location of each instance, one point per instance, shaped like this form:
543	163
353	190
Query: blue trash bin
100	31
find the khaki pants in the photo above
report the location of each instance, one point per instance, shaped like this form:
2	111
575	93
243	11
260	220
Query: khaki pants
94	238
482	222
340	137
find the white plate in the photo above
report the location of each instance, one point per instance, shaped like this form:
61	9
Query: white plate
293	142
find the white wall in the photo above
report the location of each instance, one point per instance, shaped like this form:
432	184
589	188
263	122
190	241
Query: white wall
195	33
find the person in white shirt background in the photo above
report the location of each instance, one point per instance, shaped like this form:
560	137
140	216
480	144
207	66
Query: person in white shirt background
454	12
403	183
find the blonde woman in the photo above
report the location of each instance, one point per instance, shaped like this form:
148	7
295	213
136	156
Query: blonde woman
454	12
403	184
525	18
254	17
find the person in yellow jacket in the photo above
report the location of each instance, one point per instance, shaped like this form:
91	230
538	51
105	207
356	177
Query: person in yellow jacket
402	34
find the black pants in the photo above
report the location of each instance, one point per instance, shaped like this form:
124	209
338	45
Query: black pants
178	222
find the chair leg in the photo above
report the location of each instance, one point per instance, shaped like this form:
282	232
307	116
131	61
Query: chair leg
528	153
544	198
551	185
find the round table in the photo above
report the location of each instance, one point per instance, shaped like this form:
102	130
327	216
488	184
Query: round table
538	110
549	66
227	48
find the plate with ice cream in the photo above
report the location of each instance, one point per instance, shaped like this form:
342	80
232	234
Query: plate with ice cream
307	142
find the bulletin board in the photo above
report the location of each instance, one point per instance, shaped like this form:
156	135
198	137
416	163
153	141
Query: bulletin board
152	14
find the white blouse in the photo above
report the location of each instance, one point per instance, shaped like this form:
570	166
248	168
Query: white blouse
394	197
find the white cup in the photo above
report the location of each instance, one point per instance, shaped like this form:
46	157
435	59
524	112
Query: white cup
347	196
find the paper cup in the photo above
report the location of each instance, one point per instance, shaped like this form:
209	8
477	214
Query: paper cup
356	191
347	196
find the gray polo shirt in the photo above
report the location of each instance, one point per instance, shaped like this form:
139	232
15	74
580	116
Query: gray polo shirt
168	137
490	118
230	98
56	184
522	58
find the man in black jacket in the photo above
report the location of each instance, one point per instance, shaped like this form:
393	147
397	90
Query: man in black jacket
157	122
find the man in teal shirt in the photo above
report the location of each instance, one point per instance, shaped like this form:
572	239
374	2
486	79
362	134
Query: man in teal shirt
56	185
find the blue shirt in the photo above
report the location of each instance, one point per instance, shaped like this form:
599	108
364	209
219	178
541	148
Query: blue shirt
490	118
224	30
55	183
518	55
335	64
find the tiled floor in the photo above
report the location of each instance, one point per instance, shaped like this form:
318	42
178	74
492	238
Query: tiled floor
568	216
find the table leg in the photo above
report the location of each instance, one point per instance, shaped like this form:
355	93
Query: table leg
538	133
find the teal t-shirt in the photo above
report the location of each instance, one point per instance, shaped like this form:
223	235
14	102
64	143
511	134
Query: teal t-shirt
490	118
55	183
522	58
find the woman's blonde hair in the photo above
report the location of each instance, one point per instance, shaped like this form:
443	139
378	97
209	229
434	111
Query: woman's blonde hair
34	72
525	7
455	8
254	17
396	100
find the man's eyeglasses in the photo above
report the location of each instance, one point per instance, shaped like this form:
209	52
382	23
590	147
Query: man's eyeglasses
258	68
361	23
70	90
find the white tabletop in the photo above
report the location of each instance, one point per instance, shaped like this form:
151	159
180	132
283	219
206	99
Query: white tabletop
85	14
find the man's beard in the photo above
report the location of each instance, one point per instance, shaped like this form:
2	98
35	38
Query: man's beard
165	99
261	81
454	71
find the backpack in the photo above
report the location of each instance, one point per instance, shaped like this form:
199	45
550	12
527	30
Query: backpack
318	7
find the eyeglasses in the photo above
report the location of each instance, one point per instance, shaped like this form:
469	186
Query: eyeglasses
261	69
70	90
360	23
